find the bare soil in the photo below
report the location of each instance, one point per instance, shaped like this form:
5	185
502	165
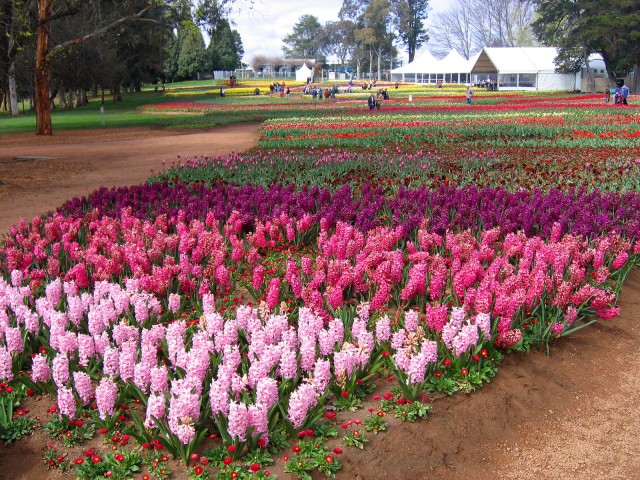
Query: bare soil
571	415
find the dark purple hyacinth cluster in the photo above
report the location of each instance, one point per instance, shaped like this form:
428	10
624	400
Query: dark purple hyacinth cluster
447	208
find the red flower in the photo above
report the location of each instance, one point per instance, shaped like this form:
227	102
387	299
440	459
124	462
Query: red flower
344	394
296	449
330	415
119	457
89	453
446	362
198	470
194	456
96	459
328	459
30	393
227	460
231	448
337	450
79	461
254	467
464	371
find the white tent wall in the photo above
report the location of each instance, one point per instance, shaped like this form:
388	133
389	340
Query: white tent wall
557	81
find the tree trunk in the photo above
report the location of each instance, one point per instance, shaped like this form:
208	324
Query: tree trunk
13	94
635	88
43	108
591	82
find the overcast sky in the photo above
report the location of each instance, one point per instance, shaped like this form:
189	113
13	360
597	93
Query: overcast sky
263	26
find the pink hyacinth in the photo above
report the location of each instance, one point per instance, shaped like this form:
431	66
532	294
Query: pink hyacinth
411	319
465	339
302	399
159	379
383	329
106	395
437	317
273	293
66	402
6	364
82	384
238	421
267	391
381	296
174	302
508	339
60	369
620	260
607	313
156	406
13	340
40	370
111	361
258	418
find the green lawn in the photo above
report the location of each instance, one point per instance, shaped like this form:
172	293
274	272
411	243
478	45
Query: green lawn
122	114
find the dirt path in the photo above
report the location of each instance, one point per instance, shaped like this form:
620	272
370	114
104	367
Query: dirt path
76	163
573	415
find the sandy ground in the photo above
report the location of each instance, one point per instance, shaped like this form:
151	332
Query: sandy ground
573	415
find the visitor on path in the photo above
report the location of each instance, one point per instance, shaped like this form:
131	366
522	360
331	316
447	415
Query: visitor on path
618	96
372	102
625	93
469	94
222	92
288	93
379	98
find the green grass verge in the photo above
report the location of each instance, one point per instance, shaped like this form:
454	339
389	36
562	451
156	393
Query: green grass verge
117	115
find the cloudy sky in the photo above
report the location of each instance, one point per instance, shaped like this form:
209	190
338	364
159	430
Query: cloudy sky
263	26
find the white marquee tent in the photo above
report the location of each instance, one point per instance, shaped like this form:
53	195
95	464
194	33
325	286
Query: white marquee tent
522	68
303	73
427	69
512	68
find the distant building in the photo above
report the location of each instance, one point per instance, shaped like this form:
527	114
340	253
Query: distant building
509	68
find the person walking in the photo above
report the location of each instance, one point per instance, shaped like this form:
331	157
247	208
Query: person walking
469	94
379	98
372	102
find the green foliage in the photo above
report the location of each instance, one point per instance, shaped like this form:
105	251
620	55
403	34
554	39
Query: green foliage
16	429
191	58
409	21
312	456
304	41
122	465
13	426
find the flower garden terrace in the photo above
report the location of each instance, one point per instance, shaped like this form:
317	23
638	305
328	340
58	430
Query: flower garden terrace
257	296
